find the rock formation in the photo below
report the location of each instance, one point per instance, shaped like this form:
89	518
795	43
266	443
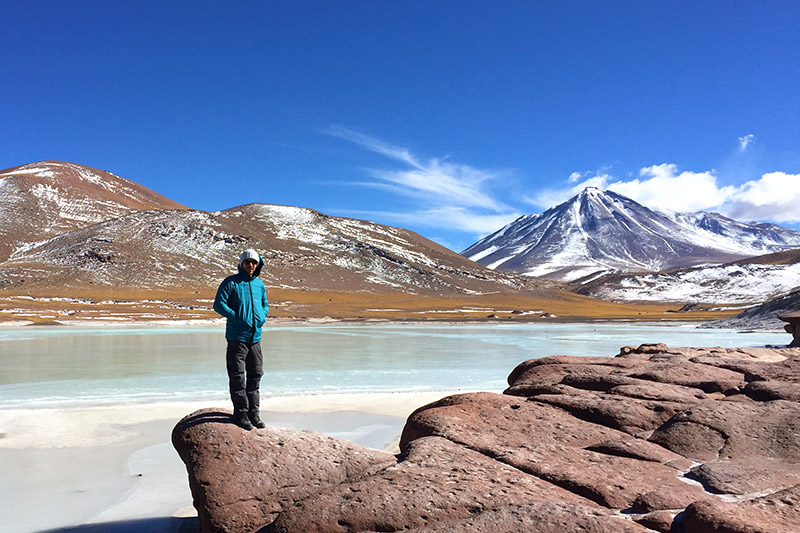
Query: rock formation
655	439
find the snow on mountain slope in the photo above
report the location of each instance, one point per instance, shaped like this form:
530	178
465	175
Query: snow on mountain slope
749	281
753	238
722	284
303	249
598	231
43	199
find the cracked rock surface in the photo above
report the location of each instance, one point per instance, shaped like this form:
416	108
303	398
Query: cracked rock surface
662	439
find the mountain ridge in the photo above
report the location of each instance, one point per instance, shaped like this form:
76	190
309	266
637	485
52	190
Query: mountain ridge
317	263
46	198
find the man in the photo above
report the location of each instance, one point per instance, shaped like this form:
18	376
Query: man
242	300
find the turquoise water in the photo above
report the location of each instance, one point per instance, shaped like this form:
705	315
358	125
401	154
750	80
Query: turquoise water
66	366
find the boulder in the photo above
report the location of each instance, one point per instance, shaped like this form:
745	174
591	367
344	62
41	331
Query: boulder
724	430
533	378
548	443
746	476
437	481
240	480
786	370
642	450
662	392
764	391
487	421
777	513
662	521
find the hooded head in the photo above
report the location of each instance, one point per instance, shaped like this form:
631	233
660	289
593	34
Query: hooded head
252	255
249	254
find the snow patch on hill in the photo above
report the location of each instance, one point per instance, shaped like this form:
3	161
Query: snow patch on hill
727	284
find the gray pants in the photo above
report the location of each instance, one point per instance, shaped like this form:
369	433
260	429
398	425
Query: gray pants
245	368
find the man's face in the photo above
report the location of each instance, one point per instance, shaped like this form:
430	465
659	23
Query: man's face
249	266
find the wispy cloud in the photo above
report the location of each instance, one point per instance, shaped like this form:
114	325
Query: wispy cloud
448	194
450	218
774	196
547	198
746	141
376	145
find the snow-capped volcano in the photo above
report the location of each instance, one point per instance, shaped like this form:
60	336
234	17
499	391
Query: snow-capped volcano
597	231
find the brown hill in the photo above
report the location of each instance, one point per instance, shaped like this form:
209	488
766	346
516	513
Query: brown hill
303	249
41	200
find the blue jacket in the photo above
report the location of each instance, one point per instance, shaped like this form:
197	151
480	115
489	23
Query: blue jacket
243	301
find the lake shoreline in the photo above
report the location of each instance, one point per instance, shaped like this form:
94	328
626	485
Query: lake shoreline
283	321
82	466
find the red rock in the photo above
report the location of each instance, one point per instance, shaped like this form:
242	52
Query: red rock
639	449
643	349
625	414
566	361
787	370
538	517
545	442
665	392
485	420
657	521
747	476
437	481
776	513
533	378
734	430
704	377
241	479
764	391
603	382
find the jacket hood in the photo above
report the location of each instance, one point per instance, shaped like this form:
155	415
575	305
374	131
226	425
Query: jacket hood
257	271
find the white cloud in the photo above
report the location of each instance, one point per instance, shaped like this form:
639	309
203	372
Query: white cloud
371	143
576	176
662	187
775	196
450	195
442	183
746	141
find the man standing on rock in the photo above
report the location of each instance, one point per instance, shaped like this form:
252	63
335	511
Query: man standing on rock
242	300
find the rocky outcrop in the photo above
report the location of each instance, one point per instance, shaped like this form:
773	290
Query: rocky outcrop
241	480
762	317
655	439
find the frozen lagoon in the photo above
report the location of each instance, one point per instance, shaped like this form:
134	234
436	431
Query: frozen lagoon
86	413
70	366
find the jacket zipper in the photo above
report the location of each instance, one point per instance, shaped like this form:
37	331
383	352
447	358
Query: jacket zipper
253	310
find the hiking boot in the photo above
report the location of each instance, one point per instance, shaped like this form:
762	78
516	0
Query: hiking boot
256	421
243	421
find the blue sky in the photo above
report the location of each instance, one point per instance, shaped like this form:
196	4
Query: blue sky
449	118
